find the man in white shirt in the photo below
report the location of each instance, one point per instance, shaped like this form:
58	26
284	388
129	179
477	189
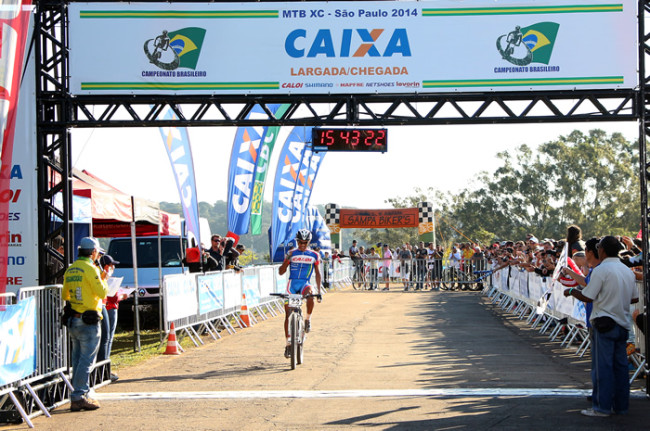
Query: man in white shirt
612	289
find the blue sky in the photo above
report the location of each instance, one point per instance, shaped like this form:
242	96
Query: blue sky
444	157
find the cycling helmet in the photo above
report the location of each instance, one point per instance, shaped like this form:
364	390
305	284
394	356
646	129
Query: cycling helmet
303	235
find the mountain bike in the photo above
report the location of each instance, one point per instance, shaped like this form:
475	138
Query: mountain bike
296	325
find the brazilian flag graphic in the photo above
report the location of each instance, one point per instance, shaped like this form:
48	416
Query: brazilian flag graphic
540	39
187	43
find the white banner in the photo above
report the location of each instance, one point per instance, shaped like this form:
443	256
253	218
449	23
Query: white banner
181	296
231	290
266	281
352	47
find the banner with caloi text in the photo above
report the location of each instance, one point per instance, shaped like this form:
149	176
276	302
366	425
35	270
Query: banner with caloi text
18	266
391	218
352	47
17	340
179	150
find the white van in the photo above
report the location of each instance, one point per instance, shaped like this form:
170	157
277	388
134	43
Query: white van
172	252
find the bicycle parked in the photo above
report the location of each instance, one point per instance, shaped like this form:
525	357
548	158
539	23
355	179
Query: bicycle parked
297	333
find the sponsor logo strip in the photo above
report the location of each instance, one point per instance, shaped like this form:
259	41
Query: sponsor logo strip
180	86
518	82
178	14
524	10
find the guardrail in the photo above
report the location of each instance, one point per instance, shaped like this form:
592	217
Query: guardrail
207	303
418	273
540	300
37	378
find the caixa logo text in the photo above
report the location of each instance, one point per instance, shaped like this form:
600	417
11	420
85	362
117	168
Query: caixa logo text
360	42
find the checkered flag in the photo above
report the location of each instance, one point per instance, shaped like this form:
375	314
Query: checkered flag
425	212
332	214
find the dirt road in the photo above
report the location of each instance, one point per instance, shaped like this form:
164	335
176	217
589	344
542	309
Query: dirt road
374	360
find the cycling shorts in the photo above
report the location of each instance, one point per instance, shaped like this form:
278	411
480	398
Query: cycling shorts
297	286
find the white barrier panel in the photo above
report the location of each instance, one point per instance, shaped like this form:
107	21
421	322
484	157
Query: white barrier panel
250	287
181	297
210	293
231	290
561	304
281	283
536	287
523	283
496	278
266	281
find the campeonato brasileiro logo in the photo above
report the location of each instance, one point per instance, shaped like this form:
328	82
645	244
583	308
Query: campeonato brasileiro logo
171	50
532	44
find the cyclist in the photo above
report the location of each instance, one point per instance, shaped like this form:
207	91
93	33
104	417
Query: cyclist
302	262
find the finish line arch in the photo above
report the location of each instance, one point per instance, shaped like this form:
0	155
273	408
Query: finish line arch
421	217
59	110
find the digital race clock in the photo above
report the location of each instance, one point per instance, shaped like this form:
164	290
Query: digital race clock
349	139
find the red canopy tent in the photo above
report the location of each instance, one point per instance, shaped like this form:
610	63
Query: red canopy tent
113	210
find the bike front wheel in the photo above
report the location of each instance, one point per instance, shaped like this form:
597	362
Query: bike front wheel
301	342
294	328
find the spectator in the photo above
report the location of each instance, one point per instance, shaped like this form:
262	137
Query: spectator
574	239
611	289
373	262
109	313
357	262
405	257
420	266
215	256
388	259
84	287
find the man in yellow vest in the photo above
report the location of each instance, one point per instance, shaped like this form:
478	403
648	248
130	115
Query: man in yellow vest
84	287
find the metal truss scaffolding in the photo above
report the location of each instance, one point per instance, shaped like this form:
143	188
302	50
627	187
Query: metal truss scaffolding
58	111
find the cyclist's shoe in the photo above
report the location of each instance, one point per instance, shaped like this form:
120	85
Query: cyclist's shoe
307	326
287	352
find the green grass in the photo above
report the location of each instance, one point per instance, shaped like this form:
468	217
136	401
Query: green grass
122	352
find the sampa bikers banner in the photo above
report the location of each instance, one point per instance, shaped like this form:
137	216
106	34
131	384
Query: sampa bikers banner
352	47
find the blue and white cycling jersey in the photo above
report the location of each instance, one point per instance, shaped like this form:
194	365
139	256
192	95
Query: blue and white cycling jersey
301	269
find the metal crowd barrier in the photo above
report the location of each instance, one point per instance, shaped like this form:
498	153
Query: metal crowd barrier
49	384
420	274
541	302
208	303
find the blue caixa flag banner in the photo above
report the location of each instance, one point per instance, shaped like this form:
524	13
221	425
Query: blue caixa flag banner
294	180
177	144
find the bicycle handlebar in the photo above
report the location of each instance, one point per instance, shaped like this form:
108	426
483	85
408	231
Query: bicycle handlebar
310	295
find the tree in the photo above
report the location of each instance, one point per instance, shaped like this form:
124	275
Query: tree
589	180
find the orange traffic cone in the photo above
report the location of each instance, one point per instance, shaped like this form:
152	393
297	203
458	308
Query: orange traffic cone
243	314
172	345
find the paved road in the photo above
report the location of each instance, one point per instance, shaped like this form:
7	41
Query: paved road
374	360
